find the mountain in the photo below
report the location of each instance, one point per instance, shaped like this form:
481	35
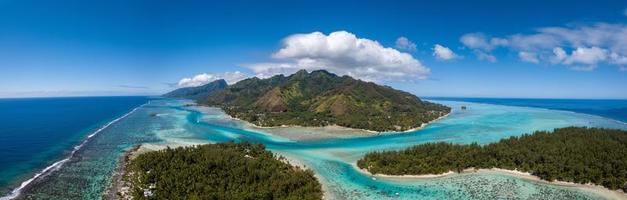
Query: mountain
321	98
199	92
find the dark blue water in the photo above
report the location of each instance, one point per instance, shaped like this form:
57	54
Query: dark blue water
35	132
610	108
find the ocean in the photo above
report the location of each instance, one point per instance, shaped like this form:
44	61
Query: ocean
87	172
36	132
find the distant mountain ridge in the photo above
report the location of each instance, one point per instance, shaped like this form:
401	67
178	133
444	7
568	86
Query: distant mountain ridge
321	98
199	92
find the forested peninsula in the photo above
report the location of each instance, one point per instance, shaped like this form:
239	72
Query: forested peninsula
217	171
573	154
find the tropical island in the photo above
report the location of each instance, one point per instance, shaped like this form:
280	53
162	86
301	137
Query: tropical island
573	154
320	98
217	171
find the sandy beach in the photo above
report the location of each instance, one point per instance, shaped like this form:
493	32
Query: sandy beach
119	188
597	189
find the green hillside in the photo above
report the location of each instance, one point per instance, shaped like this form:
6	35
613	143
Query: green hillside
199	92
321	98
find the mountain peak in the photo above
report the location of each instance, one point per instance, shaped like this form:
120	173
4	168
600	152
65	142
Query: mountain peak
321	98
219	82
300	74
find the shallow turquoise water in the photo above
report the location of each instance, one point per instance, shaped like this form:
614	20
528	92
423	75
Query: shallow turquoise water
88	173
610	108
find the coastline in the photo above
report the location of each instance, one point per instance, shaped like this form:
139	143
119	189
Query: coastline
304	133
16	192
117	188
334	126
597	189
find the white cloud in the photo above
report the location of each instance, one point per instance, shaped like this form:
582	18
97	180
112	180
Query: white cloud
618	59
528	57
481	42
443	53
588	56
204	78
475	41
485	56
482	46
582	59
590	45
342	53
559	55
405	44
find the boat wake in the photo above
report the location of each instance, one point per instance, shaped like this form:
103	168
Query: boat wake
55	166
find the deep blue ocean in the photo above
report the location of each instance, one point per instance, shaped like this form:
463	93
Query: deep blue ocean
35	132
610	108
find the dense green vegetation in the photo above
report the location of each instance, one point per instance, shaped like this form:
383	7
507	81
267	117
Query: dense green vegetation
321	98
198	93
580	155
218	171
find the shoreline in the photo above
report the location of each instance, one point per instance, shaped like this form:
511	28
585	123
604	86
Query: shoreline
597	189
335	126
119	188
117	182
16	192
321	132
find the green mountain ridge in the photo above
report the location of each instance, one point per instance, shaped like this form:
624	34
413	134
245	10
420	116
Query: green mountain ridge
321	98
199	92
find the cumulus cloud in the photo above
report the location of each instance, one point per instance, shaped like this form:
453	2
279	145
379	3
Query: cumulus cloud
342	53
528	57
204	78
405	44
588	56
443	53
583	59
590	45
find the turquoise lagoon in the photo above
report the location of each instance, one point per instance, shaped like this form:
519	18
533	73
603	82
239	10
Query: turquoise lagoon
88	172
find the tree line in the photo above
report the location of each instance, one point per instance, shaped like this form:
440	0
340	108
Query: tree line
218	171
573	154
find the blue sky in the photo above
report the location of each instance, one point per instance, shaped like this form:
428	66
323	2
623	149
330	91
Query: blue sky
553	49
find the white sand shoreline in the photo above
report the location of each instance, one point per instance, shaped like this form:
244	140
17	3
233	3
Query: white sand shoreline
597	189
